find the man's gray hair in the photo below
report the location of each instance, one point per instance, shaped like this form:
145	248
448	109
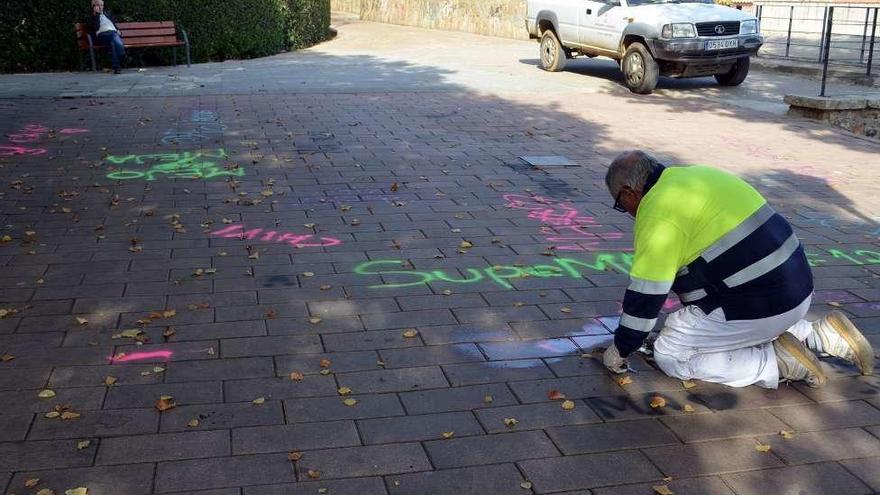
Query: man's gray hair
630	168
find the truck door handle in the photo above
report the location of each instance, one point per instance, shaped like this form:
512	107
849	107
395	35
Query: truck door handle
589	11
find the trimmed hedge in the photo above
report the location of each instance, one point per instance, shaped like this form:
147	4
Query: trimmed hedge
38	35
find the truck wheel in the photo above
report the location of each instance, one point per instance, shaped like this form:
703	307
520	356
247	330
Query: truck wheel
640	70
552	53
736	75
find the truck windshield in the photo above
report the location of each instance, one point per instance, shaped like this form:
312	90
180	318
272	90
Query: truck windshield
633	3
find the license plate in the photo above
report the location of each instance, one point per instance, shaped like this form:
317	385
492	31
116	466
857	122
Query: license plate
722	44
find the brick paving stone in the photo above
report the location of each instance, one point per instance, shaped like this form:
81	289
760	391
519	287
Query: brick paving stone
496	371
490	449
226	369
406	319
692	486
355	486
47	454
270	346
332	408
534	416
828	478
457	399
363	341
574	366
419	427
450	334
84	376
528	349
180	351
131	479
394	380
163	447
588	471
828	415
431	355
712	426
38	358
499	479
829	445
131	396
339	362
867	470
300	326
587	439
220	472
413	303
108	423
723	398
558	328
28	401
14	427
715	457
372	460
580	387
284	438
278	388
860	387
222	416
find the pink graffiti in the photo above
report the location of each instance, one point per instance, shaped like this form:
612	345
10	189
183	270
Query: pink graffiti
296	240
70	131
566	223
30	134
140	356
9	150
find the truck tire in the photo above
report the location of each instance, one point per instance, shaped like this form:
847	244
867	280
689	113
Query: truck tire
736	75
552	53
640	70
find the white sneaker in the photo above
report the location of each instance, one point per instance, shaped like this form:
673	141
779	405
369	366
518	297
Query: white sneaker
835	335
796	362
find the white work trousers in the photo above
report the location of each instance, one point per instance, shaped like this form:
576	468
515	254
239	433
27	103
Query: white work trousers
694	345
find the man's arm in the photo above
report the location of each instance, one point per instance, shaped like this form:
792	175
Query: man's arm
658	251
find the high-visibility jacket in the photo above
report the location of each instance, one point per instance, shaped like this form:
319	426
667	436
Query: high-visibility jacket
711	238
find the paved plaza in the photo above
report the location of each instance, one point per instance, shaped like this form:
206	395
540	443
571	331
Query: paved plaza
333	272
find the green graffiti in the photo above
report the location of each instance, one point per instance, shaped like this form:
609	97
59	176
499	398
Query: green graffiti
185	165
498	274
858	257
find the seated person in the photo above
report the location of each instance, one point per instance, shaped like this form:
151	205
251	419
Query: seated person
105	33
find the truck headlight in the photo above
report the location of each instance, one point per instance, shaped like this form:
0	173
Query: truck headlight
748	27
679	30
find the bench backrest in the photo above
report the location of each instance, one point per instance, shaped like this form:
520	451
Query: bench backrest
135	33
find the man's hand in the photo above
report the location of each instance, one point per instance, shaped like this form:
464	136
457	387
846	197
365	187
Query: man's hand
612	360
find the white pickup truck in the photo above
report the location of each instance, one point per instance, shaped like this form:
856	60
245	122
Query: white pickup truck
649	38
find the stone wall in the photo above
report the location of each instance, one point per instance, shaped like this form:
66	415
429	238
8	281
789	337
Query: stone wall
504	18
856	114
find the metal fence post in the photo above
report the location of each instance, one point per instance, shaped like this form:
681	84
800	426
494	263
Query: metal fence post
865	34
873	39
830	17
822	37
788	37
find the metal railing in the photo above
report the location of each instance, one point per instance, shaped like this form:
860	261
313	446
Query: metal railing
827	35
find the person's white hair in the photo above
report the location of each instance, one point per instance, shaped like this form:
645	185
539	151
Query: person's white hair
630	169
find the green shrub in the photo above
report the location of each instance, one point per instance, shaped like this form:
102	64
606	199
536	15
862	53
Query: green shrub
37	35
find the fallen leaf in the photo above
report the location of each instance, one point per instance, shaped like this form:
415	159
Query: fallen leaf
410	333
555	395
687	384
169	313
324	363
109	380
82	321
168	333
314	474
315	320
83	444
31	482
294	455
447	292
689	408
350	402
667	479
323	490
565	309
52	414
344	390
326	287
526	485
466	244
518	304
308	274
128	334
568	405
394	187
447	434
510	422
762	447
7	357
657	401
325	371
662	490
259	400
787	434
165	403
77	491
46	394
296	376
70	415
46	491
488	399
193	423
309	225
624	380
271	313
833	303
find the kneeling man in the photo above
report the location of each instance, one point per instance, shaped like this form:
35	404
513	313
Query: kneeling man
737	268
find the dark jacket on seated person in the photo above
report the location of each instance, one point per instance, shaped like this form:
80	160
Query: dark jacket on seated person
95	22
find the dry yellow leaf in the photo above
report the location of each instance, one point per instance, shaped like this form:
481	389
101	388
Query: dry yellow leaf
488	399
308	274
447	434
296	376
46	491
326	287
314	474
662	490
83	444
689	408
259	400
294	455
687	384
77	491
565	309
165	403
526	485
322	491
31	482
762	447
518	304
410	333
169	313
466	244
350	402
447	292
82	321
555	395
109	380
510	422
192	423
70	415
787	434
46	394
7	357
315	320
324	363
657	401
568	405
129	334
624	380
833	303
344	390
325	371
52	414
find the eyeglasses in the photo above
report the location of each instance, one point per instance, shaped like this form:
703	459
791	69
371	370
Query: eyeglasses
617	206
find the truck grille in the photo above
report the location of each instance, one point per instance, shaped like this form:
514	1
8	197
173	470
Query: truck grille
712	28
